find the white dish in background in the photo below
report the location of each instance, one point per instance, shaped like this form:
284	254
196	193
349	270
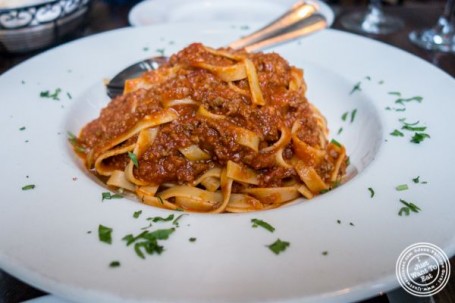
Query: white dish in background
343	244
150	12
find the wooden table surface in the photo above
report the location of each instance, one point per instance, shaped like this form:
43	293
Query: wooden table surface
105	16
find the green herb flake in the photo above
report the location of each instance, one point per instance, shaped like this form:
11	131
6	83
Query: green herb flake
51	95
133	158
371	192
406	100
72	139
417	181
176	221
69	95
339	221
408	208
350	223
109	196
339	130
244	27
397	133
325	253
137	214
419	137
344	116
28	187
402	187
114	264
160	51
395	93
22	128
335	142
161	219
353	114
192	239
278	246
105	234
147	241
414	128
356	88
263	224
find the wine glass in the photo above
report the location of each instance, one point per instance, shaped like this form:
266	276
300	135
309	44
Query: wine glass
442	36
372	21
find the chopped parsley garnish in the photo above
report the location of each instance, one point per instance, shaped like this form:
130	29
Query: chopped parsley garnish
397	133
176	221
75	143
403	100
350	223
133	158
417	180
114	264
22	128
402	187
109	196
414	128
353	113
339	130
147	241
356	88
395	93
192	239
325	253
408	208
278	246
137	214
69	95
371	192
263	224
160	51
419	137
161	219
333	141
339	221
51	95
28	187
105	234
344	116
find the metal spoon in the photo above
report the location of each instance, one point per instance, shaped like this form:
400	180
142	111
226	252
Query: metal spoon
302	19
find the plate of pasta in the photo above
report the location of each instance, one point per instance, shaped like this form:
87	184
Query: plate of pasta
283	176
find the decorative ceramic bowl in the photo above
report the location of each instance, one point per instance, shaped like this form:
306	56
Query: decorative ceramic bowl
39	24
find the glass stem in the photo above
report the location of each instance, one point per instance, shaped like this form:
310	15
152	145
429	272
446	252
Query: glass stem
449	11
445	23
375	7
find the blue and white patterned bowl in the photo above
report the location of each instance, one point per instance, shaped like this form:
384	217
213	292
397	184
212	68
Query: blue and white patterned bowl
39	24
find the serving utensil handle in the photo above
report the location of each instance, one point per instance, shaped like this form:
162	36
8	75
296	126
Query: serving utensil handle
302	19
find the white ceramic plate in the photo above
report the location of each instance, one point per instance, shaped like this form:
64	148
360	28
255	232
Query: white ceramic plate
150	12
343	244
